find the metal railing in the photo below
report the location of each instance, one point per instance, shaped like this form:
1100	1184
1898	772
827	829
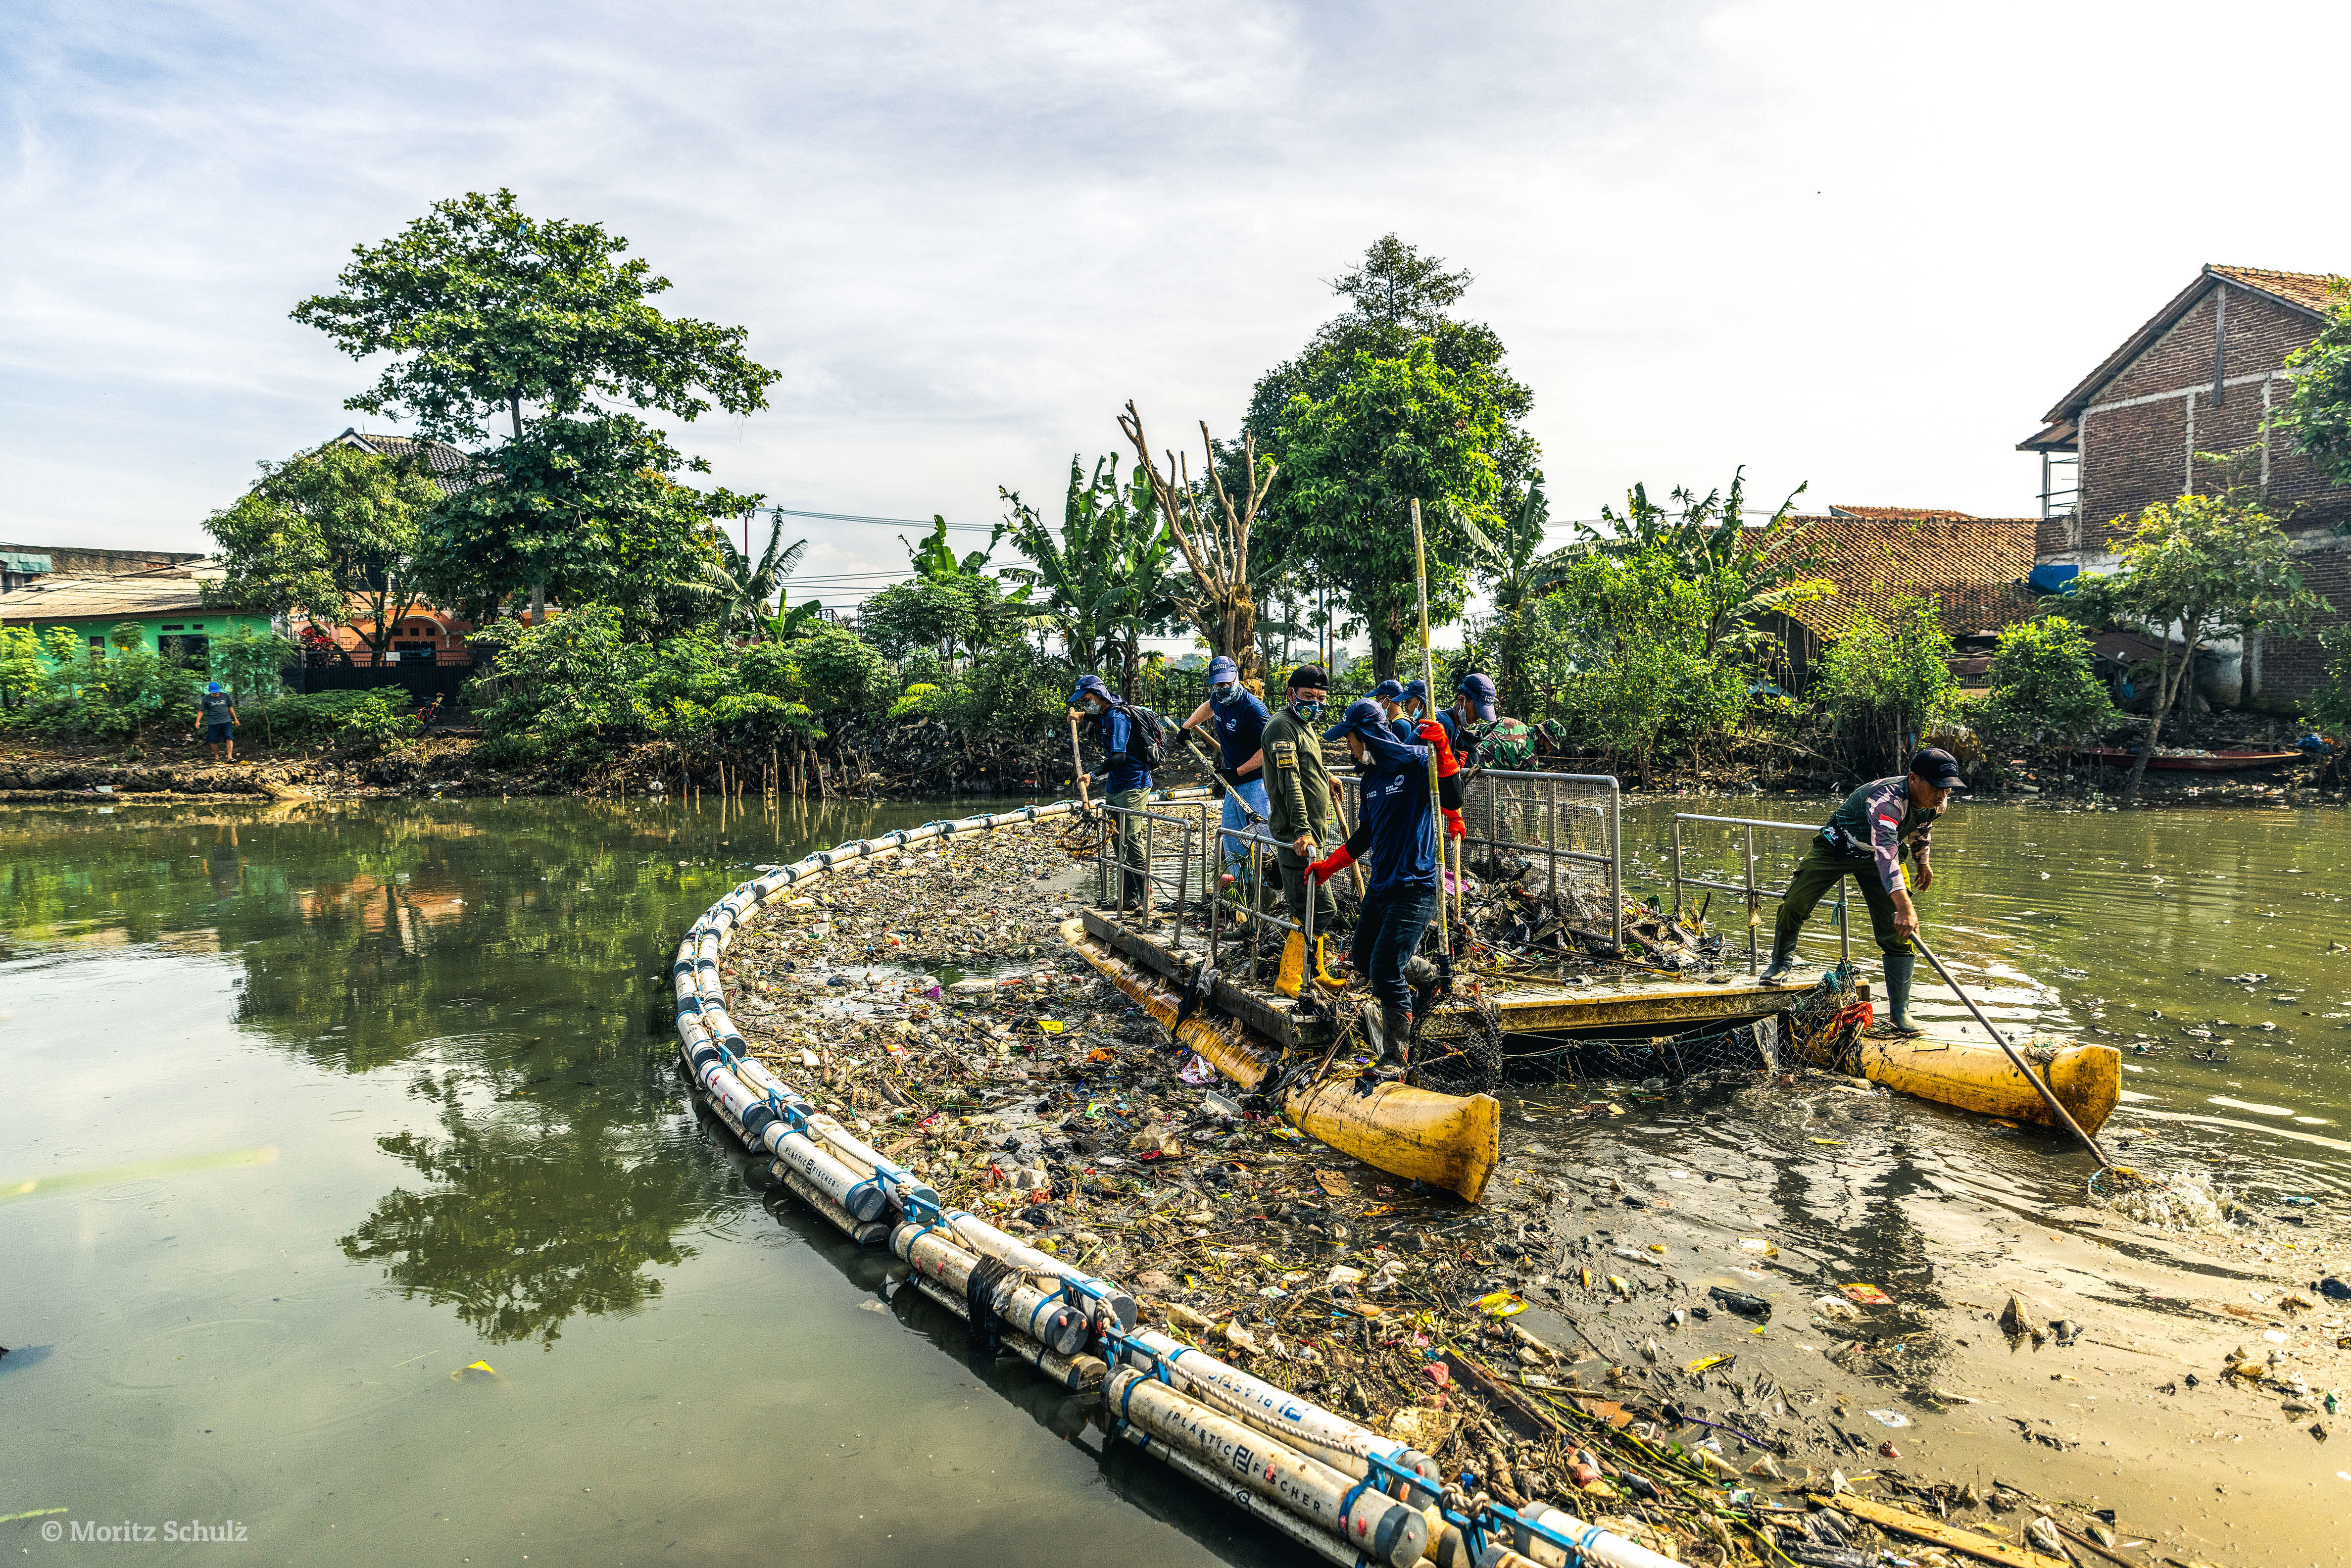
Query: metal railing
1748	889
1496	796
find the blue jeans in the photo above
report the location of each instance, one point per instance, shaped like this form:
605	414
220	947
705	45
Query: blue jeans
1236	854
1388	929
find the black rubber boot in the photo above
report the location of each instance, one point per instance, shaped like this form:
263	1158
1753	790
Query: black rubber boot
1783	971
1895	1025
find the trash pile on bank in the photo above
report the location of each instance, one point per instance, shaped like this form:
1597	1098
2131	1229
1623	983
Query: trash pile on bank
1543	1343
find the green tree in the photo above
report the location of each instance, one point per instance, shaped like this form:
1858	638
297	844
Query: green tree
1889	682
2316	414
1108	573
1398	297
743	589
2197	568
1619	652
487	311
586	511
952	606
1515	571
2329	707
330	535
1750	570
840	672
2042	682
1396	431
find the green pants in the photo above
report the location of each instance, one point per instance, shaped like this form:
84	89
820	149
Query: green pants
1816	876
1293	893
1132	864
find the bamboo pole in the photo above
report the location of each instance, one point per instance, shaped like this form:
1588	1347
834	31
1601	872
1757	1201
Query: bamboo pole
1428	678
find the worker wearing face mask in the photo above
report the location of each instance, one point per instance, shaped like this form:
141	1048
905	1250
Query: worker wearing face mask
1125	770
1302	798
1397	834
1237	719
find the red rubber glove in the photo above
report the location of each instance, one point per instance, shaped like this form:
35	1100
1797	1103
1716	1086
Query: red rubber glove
1330	865
1453	825
1433	734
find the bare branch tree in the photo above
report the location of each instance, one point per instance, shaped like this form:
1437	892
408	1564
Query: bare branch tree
1214	540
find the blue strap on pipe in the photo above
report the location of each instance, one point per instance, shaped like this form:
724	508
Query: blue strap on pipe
1347	1503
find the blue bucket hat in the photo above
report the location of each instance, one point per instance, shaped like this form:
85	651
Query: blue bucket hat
1479	691
1362	717
1091	684
1222	668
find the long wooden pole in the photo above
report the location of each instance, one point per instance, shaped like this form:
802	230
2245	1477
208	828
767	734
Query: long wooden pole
1428	680
1079	762
2016	1059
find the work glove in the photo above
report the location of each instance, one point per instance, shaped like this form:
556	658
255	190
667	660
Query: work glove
1432	734
1229	776
1454	829
1330	865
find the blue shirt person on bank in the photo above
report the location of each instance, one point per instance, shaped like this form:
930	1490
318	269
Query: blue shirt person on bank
1235	715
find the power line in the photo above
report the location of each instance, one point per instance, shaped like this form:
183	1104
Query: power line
886	522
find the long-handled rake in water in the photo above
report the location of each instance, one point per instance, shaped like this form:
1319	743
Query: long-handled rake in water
2015	1058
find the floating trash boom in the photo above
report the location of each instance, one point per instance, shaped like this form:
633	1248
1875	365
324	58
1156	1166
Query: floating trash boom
1329	1483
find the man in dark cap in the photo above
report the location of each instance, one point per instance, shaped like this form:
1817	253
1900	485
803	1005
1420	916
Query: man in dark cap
1237	719
1397	832
1302	799
1868	839
1119	729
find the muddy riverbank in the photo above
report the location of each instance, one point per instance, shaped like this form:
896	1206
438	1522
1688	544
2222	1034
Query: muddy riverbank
1809	1273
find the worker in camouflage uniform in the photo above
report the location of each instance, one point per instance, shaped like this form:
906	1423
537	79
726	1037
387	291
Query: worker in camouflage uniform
1302	799
1879	825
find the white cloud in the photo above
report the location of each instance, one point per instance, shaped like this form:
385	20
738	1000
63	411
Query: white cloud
1859	245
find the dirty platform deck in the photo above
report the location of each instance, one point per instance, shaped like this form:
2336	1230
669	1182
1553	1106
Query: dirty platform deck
1632	1005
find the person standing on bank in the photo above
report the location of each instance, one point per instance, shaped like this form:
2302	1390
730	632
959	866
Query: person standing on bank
1866	839
216	711
1238	719
1302	798
1398	833
1126	771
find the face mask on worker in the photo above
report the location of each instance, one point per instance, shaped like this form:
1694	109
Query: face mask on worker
1094	707
1308	709
1225	691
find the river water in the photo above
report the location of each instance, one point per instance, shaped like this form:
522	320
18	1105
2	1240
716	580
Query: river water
346	1190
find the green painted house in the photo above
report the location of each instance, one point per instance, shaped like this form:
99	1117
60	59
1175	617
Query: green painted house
164	602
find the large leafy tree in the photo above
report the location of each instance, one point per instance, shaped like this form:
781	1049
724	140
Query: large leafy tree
1398	297
1108	572
489	311
953	605
1393	432
587	511
330	535
2197	568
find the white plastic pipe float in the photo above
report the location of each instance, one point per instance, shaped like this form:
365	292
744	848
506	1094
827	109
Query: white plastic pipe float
865	1233
1328	1547
1592	1545
1047	1318
1078	1374
1375	1525
1334	1439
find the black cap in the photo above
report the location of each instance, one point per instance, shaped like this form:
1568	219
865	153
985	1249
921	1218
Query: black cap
1938	767
1307	675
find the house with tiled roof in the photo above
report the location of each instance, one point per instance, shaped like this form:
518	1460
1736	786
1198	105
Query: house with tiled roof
1873	557
2199	376
450	467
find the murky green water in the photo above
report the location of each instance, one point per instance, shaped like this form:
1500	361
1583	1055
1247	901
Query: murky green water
310	1108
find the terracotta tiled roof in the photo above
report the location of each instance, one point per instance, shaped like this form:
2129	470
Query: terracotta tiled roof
1889	513
1971	564
2308	289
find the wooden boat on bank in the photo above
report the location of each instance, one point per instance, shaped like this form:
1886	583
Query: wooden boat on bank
2192	761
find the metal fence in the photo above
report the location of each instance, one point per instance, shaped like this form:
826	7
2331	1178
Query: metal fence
1554	823
1748	887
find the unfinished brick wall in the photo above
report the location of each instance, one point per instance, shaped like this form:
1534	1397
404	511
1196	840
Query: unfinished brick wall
2290	668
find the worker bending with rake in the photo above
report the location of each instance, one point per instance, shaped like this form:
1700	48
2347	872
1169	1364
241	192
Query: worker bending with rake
1868	839
1397	834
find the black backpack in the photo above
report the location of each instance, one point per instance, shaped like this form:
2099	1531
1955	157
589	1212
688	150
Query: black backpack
1146	736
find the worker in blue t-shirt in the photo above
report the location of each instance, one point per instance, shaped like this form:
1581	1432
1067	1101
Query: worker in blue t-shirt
1397	834
1236	718
1116	727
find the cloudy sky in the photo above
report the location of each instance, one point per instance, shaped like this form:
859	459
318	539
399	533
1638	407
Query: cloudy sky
1861	246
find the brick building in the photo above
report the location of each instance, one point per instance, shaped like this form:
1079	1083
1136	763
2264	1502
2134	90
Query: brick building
1973	567
2201	375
